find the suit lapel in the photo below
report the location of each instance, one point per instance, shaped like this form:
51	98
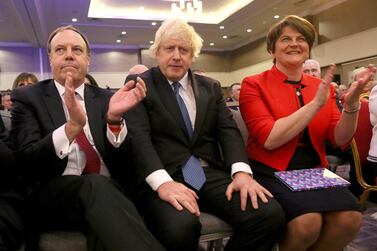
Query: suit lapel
201	99
54	104
93	106
168	99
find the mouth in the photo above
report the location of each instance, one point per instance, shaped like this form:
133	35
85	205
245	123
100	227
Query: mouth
293	52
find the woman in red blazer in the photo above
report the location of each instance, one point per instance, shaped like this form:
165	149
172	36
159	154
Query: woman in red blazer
289	116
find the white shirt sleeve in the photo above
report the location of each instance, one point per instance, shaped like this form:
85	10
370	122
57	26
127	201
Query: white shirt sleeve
157	178
61	142
241	167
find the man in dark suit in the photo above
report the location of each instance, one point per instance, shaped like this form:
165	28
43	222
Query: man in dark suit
69	135
176	133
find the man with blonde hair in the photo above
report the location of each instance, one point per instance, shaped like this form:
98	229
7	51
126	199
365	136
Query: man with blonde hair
189	155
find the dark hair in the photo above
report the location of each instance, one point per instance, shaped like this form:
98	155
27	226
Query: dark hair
92	81
300	24
24	77
63	28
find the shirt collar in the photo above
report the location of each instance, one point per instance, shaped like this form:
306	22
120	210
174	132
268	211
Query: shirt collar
183	81
282	77
79	90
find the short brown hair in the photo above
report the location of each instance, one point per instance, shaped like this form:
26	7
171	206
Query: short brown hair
300	24
24	77
63	28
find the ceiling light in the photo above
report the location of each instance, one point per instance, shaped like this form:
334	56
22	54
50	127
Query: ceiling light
221	27
124	32
225	37
276	16
151	42
74	20
154	23
190	7
248	30
141	8
212	44
118	41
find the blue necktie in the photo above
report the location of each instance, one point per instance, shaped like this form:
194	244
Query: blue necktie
192	170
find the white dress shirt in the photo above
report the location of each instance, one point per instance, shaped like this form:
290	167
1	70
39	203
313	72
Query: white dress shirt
161	176
76	157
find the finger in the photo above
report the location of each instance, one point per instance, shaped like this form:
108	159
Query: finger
129	85
142	83
243	197
254	199
229	191
329	74
192	208
262	196
193	193
175	204
265	191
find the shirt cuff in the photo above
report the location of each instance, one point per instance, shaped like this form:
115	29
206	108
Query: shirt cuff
61	142
115	140
157	178
241	167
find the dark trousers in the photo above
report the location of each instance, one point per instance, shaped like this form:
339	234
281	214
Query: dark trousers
11	223
180	230
96	205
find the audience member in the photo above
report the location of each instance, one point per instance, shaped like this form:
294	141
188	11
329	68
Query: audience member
68	134
371	171
137	69
311	67
289	115
11	200
6	103
234	93
176	133
23	79
89	80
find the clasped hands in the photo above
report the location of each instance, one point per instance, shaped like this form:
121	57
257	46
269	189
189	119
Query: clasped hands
180	196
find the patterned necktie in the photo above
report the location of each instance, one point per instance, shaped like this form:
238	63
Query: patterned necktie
192	170
93	162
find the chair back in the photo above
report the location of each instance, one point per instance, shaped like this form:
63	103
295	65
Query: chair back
363	132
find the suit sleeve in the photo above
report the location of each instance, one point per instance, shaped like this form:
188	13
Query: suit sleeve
37	152
229	136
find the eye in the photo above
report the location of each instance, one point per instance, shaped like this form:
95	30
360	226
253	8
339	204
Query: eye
78	50
301	39
59	50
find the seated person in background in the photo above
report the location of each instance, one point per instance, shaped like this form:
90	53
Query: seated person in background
312	68
371	171
136	70
233	100
23	79
5	114
68	134
6	103
176	132
11	200
289	115
89	80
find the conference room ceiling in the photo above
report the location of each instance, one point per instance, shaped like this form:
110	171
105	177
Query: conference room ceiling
29	22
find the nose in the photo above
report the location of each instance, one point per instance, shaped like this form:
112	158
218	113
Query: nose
176	54
293	42
69	53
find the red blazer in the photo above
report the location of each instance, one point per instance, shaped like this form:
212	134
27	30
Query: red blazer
265	98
